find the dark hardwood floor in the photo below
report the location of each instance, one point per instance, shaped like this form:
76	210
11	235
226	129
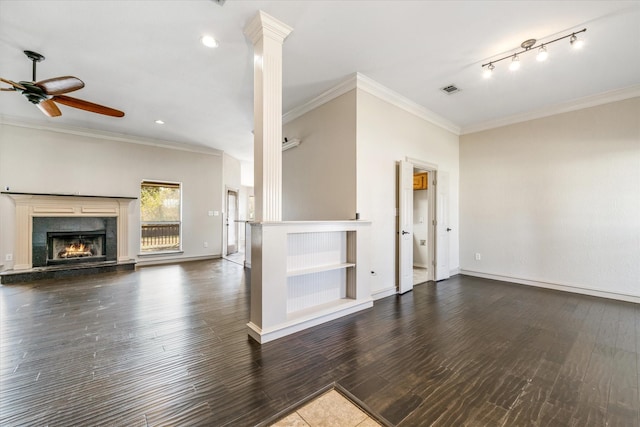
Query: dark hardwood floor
167	345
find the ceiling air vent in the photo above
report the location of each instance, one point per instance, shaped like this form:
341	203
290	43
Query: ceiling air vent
450	89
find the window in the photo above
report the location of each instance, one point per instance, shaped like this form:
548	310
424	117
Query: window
160	217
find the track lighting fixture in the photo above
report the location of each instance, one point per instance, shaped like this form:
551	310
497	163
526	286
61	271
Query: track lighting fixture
530	45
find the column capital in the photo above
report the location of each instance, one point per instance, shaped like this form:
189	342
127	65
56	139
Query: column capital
266	25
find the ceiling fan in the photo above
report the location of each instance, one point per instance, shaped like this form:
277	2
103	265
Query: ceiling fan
46	93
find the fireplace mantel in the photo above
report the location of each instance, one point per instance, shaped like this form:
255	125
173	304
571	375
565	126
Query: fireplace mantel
9	193
29	205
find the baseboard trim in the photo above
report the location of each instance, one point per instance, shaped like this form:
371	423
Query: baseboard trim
263	336
555	286
174	260
383	293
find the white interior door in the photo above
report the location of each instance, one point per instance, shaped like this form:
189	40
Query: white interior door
442	225
405	227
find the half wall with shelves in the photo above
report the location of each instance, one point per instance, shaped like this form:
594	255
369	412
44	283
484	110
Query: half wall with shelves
309	272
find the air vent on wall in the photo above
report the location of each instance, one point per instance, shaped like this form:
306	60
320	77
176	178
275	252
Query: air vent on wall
450	89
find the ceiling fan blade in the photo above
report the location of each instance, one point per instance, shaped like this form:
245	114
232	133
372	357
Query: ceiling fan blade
86	105
49	108
60	85
12	83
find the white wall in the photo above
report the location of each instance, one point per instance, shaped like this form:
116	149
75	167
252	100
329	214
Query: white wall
385	135
42	161
318	176
556	201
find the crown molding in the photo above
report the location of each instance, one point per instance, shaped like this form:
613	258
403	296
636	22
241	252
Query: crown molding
360	81
376	89
574	105
111	136
340	89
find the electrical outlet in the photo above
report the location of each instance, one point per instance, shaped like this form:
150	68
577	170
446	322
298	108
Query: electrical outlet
478	256
205	244
8	257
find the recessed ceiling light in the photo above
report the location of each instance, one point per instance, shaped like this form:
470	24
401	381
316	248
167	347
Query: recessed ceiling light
159	122
209	41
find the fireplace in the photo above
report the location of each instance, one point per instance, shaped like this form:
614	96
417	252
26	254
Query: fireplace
72	247
73	240
96	229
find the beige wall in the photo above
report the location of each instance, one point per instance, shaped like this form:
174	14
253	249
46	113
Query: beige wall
556	200
43	161
319	176
387	134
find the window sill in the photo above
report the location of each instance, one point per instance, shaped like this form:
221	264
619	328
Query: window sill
160	253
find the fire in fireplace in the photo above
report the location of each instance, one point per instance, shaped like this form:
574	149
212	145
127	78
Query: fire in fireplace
65	247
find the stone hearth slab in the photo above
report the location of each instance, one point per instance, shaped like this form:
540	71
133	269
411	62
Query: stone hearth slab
61	271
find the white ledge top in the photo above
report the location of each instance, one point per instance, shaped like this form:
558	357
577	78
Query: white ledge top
16	193
326	222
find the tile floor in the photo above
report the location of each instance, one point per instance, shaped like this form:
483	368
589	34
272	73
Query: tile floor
328	410
420	275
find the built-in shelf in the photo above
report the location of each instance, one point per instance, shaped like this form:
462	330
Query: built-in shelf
319	269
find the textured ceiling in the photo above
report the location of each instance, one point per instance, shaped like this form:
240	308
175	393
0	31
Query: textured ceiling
144	57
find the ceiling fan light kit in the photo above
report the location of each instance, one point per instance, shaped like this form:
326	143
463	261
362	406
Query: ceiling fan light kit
46	93
529	45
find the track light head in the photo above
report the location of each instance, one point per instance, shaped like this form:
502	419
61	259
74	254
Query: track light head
515	63
542	54
488	70
575	42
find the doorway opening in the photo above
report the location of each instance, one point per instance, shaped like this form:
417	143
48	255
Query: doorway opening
423	233
232	225
423	245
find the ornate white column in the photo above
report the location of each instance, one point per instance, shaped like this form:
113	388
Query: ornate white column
267	264
267	35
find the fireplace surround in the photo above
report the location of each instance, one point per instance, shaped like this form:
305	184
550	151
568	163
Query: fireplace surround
73	240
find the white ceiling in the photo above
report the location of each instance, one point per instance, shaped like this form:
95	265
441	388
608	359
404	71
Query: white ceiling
144	57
